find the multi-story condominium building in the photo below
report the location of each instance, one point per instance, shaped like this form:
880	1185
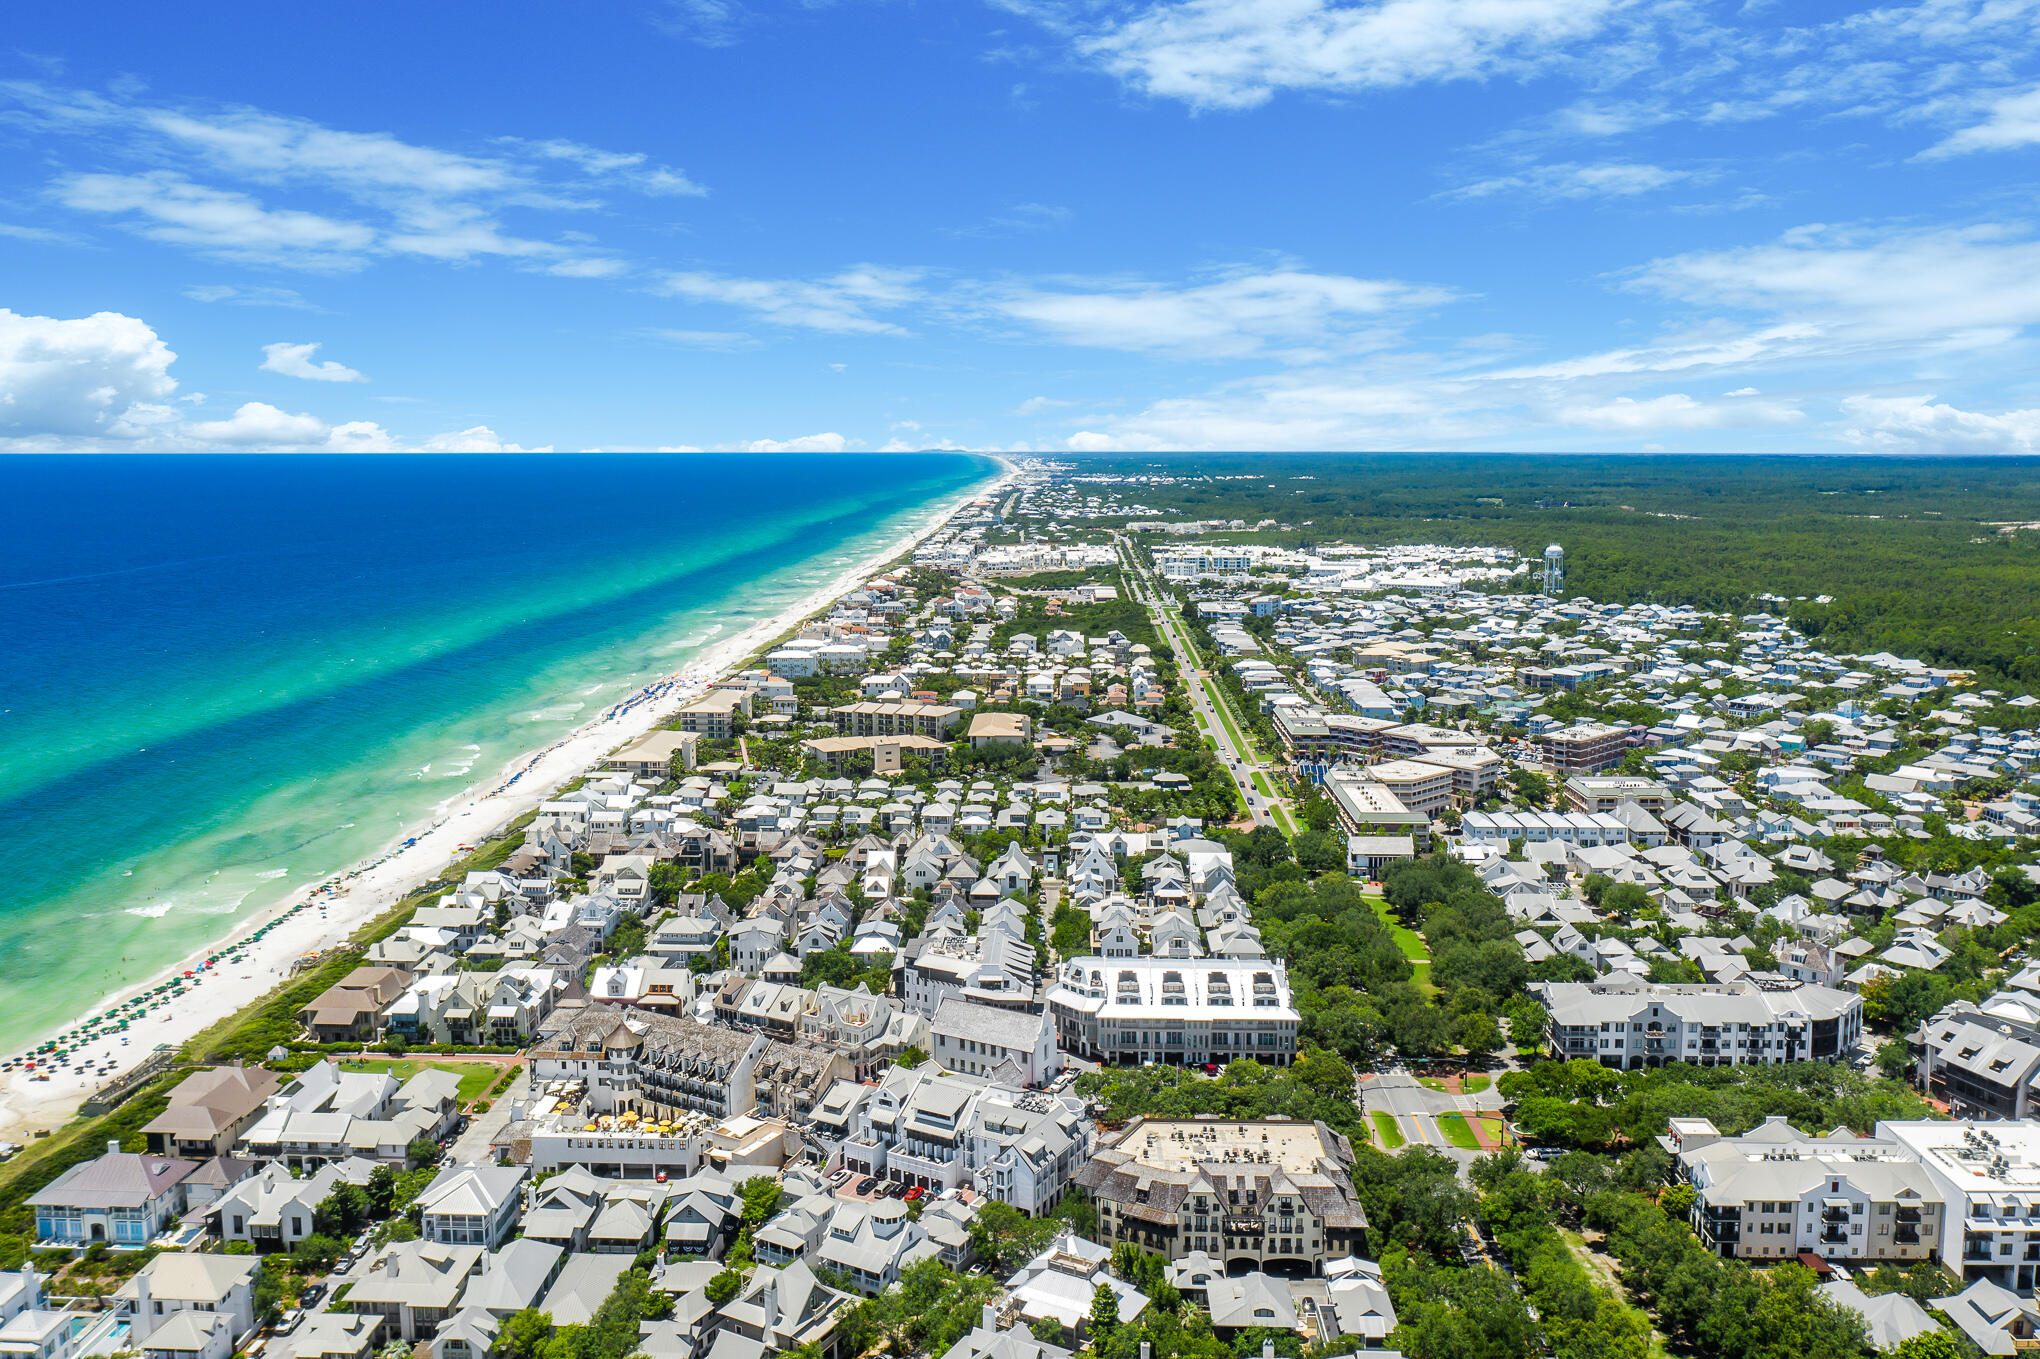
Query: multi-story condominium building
659	1066
873	718
1418	785
1627	1023
713	715
1184	1011
1590	793
1475	769
1587	748
1190	563
1776	1193
1015	1046
1984	1061
1988	1175
1249	1194
1365	807
949	1130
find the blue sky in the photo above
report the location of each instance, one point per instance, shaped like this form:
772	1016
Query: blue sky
1034	224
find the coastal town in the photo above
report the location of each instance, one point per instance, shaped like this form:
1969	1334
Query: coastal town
1096	930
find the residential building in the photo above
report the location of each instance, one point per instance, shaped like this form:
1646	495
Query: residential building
179	1282
650	758
209	1110
1627	1023
1188	1011
472	1205
1013	1046
121	1198
1248	1194
1776	1193
1587	748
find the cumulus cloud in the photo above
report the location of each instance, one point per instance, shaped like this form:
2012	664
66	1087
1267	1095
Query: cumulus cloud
99	376
1908	424
104	381
295	360
806	443
258	422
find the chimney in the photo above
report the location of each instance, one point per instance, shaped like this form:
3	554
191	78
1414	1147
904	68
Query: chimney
1267	1349
112	1146
1144	1349
990	1321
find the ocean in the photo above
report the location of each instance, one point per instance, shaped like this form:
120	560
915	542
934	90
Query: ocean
225	676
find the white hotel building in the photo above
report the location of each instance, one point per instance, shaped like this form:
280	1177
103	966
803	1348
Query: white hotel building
1183	1011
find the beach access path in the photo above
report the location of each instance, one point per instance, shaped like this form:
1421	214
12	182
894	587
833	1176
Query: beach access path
339	905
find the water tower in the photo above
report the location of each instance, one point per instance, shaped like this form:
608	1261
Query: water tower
1554	569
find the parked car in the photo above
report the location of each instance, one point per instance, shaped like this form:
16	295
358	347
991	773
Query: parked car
913	1195
866	1185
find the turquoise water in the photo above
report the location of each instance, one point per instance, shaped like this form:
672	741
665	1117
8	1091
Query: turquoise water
223	677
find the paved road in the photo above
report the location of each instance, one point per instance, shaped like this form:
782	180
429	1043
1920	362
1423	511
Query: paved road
1239	763
473	1145
1416	1108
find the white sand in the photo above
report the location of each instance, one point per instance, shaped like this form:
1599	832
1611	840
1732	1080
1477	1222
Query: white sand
334	908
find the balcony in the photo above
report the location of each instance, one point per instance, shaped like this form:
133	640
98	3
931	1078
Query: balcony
1835	1213
1906	1235
1833	1235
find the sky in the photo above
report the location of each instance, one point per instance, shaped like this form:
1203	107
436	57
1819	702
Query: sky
1028	225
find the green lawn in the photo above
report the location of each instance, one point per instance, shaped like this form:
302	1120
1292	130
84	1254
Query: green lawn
1473	1083
1457	1133
475	1077
1386	1131
1431	1083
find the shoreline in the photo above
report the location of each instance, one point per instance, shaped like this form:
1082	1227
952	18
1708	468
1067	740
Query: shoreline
258	953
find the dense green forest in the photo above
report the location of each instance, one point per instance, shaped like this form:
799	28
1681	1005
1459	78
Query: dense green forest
1909	548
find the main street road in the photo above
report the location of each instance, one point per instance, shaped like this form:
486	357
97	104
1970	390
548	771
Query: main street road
1235	755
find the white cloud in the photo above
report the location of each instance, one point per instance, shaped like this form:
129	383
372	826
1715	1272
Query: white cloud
479	439
165	206
258	422
1572	180
726	340
1238	53
806	443
1963	286
633	169
93	382
2014	121
249	296
101	376
1673	411
403	198
1906	424
1238	314
295	360
711	23
844	304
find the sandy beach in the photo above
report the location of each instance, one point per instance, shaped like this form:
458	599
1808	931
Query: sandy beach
260	951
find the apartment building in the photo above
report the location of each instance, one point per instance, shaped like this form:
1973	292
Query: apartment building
1417	784
1587	748
1988	1175
1365	807
1271	1192
1590	793
874	718
1183	1011
1777	1193
1627	1023
713	715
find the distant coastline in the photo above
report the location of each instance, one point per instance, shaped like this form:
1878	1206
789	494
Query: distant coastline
323	914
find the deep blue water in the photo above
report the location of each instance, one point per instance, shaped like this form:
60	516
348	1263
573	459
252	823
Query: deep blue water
224	676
